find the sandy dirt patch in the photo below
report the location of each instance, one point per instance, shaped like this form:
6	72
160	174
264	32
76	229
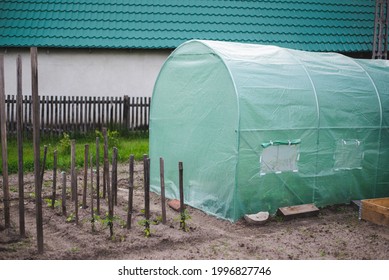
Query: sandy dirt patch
336	233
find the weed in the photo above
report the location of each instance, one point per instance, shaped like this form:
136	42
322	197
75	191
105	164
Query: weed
13	189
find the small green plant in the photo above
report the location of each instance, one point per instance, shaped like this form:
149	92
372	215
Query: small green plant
183	218
107	222
64	144
112	135
146	224
157	220
74	250
57	202
70	218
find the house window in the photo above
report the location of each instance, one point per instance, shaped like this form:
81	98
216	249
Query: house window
279	156
348	154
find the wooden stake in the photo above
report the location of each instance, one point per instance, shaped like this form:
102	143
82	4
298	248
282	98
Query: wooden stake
115	176
4	152
54	180
105	138
43	163
130	192
36	144
98	175
63	174
162	179
91	195
181	187
19	129
109	194
86	157
76	201
146	166
73	178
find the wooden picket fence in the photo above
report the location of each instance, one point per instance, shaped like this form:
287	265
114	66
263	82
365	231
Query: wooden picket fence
80	114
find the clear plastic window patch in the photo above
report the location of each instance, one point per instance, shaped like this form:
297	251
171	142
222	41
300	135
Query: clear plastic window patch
348	154
280	156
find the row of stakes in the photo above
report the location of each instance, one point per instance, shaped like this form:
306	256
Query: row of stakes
110	187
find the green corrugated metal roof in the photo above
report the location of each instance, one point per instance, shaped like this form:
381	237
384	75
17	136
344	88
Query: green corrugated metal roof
314	25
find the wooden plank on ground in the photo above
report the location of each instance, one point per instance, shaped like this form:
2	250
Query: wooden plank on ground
376	211
304	210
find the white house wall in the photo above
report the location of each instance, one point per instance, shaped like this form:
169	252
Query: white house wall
83	72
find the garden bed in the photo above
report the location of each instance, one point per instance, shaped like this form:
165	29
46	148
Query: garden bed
336	233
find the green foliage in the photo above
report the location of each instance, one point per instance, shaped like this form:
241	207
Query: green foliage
146	224
157	220
71	218
57	202
106	220
64	144
112	135
130	143
183	218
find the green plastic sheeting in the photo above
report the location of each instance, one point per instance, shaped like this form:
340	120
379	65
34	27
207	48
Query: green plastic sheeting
260	127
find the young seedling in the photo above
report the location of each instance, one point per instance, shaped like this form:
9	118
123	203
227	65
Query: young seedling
146	224
184	217
70	218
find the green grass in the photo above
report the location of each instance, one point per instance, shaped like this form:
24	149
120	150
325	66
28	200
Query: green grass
131	143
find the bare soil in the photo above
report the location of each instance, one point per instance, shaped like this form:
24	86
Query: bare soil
336	233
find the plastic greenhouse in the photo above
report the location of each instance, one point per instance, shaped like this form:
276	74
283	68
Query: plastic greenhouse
260	127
